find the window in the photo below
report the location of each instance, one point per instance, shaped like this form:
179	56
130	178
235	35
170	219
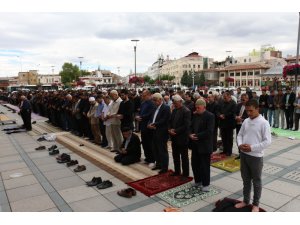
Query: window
199	66
194	66
244	73
222	74
245	60
237	74
249	60
231	74
250	73
256	72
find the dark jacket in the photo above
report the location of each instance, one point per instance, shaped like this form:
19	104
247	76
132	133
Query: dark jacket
228	110
238	109
161	123
213	108
180	121
147	108
203	126
291	101
133	147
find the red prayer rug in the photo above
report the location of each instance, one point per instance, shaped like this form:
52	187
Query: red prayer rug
216	157
158	183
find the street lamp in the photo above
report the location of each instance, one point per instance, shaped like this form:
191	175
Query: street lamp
80	63
193	77
297	56
160	62
134	47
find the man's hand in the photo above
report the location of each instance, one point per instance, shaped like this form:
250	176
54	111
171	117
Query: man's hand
172	132
194	137
151	126
222	117
245	148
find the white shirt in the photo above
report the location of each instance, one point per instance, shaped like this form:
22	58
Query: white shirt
105	111
257	133
156	112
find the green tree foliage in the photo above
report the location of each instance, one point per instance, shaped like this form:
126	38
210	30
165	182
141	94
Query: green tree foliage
147	79
69	73
186	79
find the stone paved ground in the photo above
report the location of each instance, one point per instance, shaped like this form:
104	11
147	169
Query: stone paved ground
47	186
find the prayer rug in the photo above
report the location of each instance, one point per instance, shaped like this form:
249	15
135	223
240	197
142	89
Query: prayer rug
186	194
286	133
227	205
216	157
229	165
4	118
158	183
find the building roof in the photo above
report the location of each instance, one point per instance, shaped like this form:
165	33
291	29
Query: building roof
245	66
193	54
276	70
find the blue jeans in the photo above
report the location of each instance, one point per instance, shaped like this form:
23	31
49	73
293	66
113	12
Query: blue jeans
271	114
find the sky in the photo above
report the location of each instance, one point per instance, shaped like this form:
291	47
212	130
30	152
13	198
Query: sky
45	40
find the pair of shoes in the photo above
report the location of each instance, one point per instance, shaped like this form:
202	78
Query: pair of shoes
295	129
95	181
34	122
127	193
80	168
54	152
64	158
81	145
52	148
156	168
59	157
105	184
72	163
162	171
40	148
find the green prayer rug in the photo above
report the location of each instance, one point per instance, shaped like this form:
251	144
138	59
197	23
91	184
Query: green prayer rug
185	194
229	165
286	133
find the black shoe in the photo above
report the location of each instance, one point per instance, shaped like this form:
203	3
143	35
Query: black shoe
54	152
105	184
286	128
95	181
40	148
52	148
34	122
156	168
162	171
64	159
72	163
295	129
41	139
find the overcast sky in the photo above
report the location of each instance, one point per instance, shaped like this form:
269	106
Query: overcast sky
41	40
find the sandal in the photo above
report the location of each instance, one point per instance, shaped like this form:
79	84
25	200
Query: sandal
127	193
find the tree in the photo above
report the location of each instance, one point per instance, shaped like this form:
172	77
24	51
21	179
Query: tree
147	79
69	73
202	80
186	79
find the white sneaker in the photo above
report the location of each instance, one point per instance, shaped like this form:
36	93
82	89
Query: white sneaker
205	188
151	165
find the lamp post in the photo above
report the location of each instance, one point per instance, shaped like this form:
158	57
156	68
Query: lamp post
297	56
80	63
193	78
134	47
160	62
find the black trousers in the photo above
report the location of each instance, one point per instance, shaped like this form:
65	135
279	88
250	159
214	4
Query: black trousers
146	137
26	117
201	167
215	139
126	159
227	139
102	131
297	117
180	151
160	150
289	113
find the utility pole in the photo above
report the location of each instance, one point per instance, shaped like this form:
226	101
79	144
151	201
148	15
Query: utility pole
297	56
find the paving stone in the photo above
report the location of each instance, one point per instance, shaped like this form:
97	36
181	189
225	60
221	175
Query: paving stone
51	167
57	174
292	206
99	173
77	193
67	182
294	175
33	204
154	207
44	161
289	155
5	208
271	169
282	161
3	198
229	184
284	188
274	199
10	158
6	175
20	182
94	204
52	210
25	192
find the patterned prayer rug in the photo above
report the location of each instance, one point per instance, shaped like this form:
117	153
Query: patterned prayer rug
216	157
158	183
229	165
286	133
185	194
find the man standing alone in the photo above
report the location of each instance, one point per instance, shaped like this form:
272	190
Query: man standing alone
25	113
253	138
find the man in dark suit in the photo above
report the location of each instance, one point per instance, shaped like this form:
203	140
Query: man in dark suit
240	112
212	106
226	116
179	131
131	148
201	135
159	125
288	101
25	112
